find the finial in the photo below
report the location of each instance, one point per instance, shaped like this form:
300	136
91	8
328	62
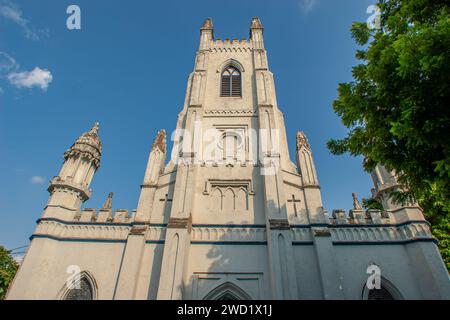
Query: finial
95	127
108	203
160	141
208	24
302	141
356	204
256	23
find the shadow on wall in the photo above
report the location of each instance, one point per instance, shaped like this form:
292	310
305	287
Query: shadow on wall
238	262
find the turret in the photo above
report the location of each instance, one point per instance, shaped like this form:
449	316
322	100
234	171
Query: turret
156	159
155	167
206	34
256	33
70	188
305	161
105	214
385	182
310	183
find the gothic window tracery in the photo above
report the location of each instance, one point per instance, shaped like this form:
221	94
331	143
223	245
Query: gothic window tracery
81	289
230	82
229	196
229	199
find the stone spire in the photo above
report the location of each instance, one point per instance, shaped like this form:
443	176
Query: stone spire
108	203
256	33
207	25
88	145
160	141
206	34
356	204
256	23
305	161
302	141
155	166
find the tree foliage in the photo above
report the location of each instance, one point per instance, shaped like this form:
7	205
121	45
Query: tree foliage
8	269
397	107
371	204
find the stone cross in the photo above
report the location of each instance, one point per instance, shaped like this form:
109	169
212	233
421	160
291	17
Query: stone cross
165	199
293	200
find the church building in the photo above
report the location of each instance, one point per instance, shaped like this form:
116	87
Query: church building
229	216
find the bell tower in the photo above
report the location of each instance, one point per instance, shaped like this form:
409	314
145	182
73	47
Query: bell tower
231	160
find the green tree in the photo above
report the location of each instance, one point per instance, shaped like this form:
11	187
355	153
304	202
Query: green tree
8	268
397	107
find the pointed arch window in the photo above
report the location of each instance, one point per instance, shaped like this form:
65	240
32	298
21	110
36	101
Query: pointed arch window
231	82
387	291
81	288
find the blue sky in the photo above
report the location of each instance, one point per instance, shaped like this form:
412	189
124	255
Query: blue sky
127	68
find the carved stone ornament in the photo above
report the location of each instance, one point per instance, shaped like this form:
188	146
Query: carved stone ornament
302	141
356	204
160	141
87	145
208	24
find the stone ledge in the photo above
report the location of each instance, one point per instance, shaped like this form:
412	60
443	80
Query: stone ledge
180	223
279	224
322	232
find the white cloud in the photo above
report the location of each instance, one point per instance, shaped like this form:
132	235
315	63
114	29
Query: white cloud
13	13
308	5
6	62
35	78
37	180
19	258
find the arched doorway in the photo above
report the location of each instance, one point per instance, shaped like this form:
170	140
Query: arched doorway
227	291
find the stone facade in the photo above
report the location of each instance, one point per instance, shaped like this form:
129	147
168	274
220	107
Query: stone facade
244	223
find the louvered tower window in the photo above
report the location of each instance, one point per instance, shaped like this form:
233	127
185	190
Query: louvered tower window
231	83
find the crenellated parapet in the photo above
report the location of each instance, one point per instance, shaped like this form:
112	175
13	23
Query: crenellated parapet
231	45
208	43
355	217
105	216
373	226
381	233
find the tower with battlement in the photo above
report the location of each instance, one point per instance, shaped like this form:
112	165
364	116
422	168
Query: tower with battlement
226	214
